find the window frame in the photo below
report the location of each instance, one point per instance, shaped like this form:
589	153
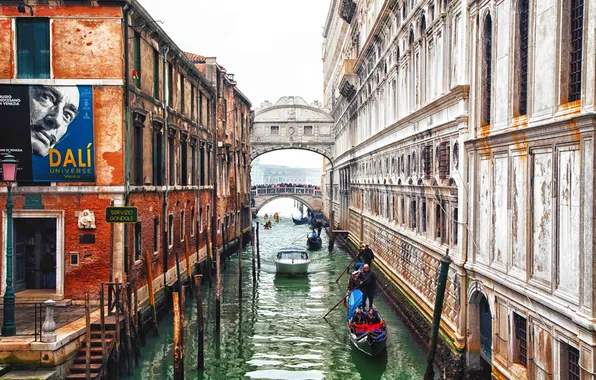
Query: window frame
38	58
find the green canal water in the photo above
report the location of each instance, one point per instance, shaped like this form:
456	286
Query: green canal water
275	329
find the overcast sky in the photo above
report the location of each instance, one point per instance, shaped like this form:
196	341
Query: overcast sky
274	47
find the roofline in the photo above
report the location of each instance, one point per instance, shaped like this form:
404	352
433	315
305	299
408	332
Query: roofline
241	94
329	18
163	39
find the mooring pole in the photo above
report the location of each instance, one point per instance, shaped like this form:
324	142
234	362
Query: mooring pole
258	247
331	233
252	241
240	263
218	284
178	337
445	262
208	254
201	335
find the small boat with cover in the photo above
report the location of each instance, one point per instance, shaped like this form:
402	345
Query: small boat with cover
292	261
370	338
300	221
314	242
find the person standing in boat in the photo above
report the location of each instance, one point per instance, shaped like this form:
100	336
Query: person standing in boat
366	255
368	285
319	227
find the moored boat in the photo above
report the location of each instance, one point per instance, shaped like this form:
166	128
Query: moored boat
292	261
314	242
300	221
370	338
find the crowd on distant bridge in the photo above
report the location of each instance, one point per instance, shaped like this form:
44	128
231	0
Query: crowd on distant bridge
277	185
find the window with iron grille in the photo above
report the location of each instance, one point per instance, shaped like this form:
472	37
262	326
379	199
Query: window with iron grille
488	60
183	160
138	154
523	55
444	152
573	363
575	58
521	338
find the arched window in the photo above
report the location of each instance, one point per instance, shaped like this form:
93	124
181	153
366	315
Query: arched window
487	45
422	26
404	11
411	39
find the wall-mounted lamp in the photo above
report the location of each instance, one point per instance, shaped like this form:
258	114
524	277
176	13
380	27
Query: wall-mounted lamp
21	7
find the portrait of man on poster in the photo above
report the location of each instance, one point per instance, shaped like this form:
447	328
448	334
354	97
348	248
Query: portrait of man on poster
52	109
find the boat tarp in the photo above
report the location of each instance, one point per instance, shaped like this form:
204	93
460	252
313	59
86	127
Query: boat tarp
354	301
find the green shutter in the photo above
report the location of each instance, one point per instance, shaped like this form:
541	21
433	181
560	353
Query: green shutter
155	74
137	59
33	48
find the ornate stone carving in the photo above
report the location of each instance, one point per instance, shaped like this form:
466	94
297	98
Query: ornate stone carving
87	220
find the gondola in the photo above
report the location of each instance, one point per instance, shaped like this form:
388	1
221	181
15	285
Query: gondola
314	243
300	221
370	339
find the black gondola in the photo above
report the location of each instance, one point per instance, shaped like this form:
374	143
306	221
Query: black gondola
314	242
300	221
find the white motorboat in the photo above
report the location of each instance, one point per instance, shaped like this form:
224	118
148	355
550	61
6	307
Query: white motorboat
292	261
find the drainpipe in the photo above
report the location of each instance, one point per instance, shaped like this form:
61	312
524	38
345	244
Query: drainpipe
165	52
127	261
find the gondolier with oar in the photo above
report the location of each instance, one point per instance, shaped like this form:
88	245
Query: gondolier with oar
368	283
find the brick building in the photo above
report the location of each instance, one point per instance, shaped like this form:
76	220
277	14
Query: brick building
150	116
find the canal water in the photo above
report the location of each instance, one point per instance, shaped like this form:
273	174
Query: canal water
275	329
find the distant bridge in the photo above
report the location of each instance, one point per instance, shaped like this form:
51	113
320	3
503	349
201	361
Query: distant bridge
308	196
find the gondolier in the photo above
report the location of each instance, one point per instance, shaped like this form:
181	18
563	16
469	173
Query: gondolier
368	285
366	255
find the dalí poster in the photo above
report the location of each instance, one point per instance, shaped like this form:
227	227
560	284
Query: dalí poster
49	129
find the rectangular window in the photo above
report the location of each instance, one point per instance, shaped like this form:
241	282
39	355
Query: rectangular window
576	49
172	158
455	212
138	154
413	214
438	214
524	12
201	108
157	142
192	222
137	59
182	225
569	359
33	47
183	161
308	129
423	216
192	103
170	87
521	340
155	235
275	130
182	96
138	241
444	165
170	230
202	178
155	74
193	163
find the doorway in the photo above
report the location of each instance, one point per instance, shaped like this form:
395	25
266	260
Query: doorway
36	234
34	264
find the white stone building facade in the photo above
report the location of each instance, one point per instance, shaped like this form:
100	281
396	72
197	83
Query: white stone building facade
469	126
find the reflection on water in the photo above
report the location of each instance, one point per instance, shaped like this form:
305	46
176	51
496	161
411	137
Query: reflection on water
275	329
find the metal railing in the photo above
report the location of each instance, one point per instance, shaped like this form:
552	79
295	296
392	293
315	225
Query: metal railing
286	190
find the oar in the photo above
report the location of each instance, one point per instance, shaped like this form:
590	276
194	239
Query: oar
344	271
342	300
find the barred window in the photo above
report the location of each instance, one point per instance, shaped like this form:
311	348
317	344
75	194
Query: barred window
521	339
575	59
524	10
488	58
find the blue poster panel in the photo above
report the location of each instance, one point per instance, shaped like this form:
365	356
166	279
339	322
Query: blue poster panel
58	145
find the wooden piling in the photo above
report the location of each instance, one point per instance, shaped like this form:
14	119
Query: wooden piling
187	255
117	323
218	285
331	228
102	325
258	248
252	241
178	332
200	322
150	290
136	328
208	255
127	329
240	264
87	337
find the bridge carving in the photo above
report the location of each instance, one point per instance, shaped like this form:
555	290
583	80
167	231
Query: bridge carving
292	124
309	196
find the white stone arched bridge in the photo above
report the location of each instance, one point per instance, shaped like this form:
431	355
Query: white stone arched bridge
309	196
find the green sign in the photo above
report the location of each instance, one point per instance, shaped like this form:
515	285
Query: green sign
121	214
